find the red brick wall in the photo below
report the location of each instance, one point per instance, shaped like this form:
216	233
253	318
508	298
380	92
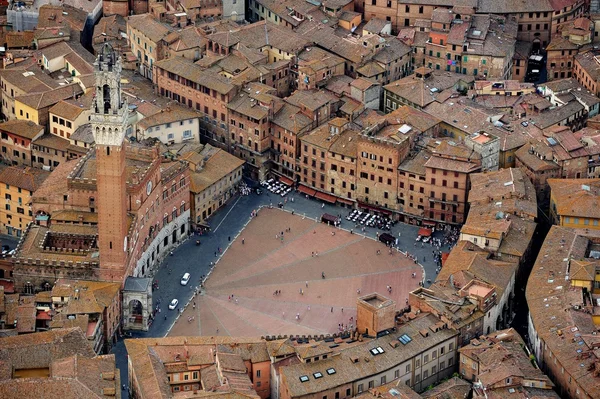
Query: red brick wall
112	211
115	7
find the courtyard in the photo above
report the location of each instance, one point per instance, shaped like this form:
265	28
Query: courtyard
239	297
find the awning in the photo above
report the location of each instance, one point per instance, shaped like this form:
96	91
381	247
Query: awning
326	197
43	316
423	232
286	180
373	208
345	201
306	190
444	257
429	223
329	218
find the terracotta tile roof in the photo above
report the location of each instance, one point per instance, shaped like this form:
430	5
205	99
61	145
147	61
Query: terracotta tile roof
61	320
454	388
22	128
47	99
576	197
413	117
67	110
85	297
150	356
255	101
73	377
416	164
513	6
195	73
230	362
370	69
466	262
61	16
347	371
147	25
30	80
171	114
217	165
419	91
532	161
589	64
111	26
39	350
261	34
292	119
19	39
502	185
24	177
55	142
393	390
375	25
551	298
452	165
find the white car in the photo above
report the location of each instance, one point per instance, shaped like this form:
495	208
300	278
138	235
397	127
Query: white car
185	279
173	304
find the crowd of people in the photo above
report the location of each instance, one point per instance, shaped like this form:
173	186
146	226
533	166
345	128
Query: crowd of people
244	189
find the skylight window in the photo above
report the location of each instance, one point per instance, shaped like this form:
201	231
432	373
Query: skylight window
303	378
317	375
331	371
377	351
404	339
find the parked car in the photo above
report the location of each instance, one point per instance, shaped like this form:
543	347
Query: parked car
185	279
173	304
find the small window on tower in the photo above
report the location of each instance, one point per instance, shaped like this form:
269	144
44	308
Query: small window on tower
107	150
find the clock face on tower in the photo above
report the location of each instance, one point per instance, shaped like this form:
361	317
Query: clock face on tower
149	188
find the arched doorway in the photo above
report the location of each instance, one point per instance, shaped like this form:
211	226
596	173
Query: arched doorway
535	49
136	312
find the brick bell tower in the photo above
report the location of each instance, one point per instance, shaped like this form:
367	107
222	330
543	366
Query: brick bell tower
109	124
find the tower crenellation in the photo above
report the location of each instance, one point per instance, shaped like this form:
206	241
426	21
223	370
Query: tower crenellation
109	108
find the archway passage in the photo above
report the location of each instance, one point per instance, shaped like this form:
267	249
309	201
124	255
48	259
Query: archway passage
136	311
535	49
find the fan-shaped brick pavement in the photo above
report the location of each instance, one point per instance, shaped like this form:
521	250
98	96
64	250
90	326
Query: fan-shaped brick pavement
239	299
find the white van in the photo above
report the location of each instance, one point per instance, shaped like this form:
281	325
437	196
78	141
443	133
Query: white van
185	279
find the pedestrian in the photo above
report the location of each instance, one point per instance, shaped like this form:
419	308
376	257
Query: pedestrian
165	317
332	309
316	253
312	254
308	308
307	284
283	315
322	205
342	310
236	301
217	330
229	238
243	241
